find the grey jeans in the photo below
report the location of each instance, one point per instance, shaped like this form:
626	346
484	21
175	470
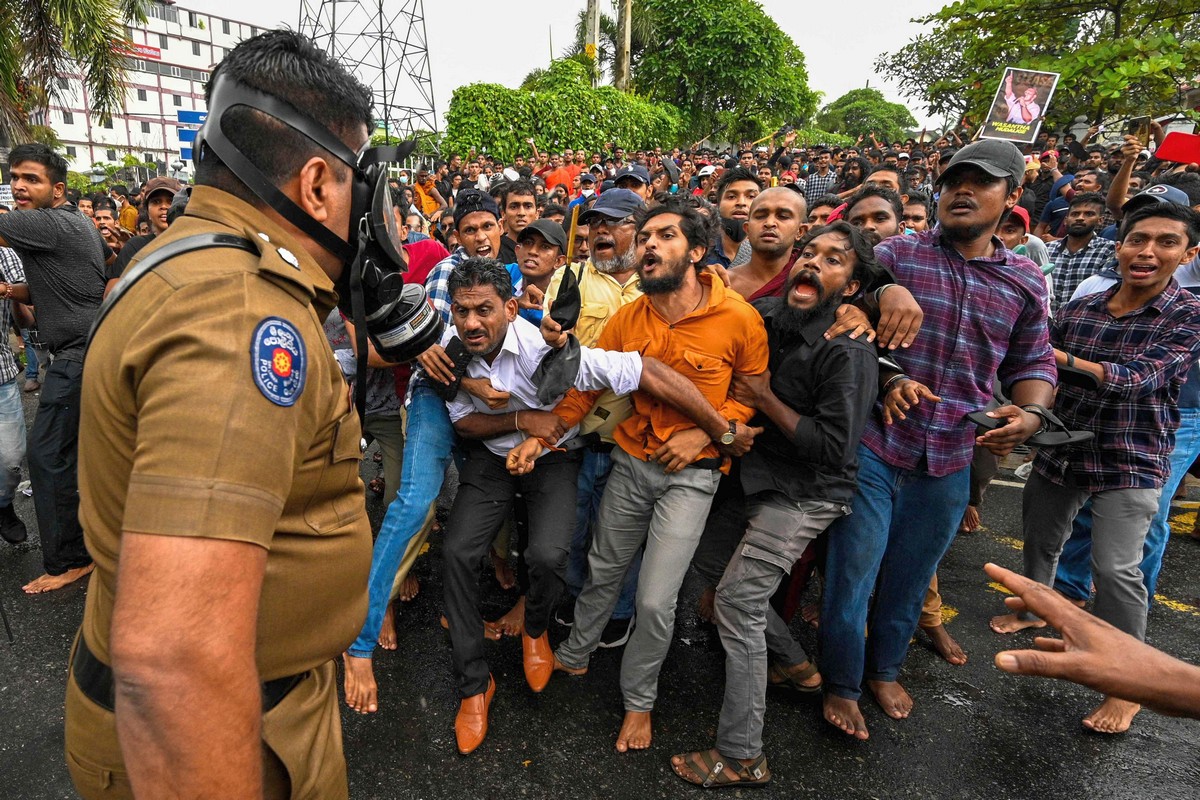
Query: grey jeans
1120	520
641	504
779	530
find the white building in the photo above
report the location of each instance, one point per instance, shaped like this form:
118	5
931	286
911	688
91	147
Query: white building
168	69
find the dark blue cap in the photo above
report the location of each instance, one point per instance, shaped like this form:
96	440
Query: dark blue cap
471	200
633	171
613	204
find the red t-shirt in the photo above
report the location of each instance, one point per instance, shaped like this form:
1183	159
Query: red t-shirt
423	256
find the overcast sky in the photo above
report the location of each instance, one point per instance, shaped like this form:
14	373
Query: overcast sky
499	42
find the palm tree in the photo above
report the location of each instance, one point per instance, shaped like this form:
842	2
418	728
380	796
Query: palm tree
41	39
641	36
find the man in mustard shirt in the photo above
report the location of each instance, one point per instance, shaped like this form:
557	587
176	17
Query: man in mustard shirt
219	475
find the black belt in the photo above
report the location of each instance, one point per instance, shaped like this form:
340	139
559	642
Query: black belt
95	680
707	463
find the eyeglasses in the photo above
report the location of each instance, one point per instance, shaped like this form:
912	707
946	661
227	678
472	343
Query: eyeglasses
620	223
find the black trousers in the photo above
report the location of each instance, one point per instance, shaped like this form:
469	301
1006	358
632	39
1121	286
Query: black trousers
485	497
54	468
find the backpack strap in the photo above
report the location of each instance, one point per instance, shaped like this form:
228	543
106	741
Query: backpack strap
200	241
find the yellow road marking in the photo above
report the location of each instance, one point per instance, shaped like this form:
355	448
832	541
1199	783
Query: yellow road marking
1175	605
1183	523
948	613
999	587
1015	544
424	549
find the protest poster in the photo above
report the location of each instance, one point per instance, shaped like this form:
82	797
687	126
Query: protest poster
1020	105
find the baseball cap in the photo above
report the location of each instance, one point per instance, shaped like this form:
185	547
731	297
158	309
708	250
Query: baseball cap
587	177
471	200
1020	213
1048	154
550	230
1031	164
997	158
903	156
705	171
1158	193
613	204
161	184
633	171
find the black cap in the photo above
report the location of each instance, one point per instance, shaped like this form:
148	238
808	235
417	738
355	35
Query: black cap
633	171
613	204
995	157
471	200
587	177
550	230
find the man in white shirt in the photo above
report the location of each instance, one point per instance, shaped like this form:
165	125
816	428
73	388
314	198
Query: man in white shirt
1023	109
507	351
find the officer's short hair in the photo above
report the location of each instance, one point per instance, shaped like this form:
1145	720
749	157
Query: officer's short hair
481	272
291	67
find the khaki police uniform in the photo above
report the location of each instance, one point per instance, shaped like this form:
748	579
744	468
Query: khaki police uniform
213	406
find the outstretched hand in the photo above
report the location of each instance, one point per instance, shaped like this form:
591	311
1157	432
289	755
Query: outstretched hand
904	396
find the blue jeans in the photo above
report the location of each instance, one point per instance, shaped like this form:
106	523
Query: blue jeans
1074	575
593	477
31	358
430	439
901	524
12	440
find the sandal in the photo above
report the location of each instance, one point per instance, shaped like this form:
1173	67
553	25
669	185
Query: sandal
779	678
1056	435
708	771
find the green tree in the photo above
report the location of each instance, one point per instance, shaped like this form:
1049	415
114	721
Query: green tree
726	65
861	111
41	39
1115	57
558	109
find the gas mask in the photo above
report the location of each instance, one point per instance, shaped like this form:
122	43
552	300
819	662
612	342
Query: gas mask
371	291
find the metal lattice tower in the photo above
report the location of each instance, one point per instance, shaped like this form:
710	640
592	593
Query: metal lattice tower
383	42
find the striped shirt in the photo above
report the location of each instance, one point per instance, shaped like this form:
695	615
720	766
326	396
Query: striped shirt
13	272
1146	355
983	317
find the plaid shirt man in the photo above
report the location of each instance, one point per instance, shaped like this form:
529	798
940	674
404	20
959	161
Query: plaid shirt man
1071	269
13	272
983	317
1146	355
817	185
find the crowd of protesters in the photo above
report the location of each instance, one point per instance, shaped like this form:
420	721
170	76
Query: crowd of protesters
795	368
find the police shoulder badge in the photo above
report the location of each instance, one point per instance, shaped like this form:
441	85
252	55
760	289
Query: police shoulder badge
278	360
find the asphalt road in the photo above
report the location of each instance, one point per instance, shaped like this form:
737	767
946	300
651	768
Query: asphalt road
975	732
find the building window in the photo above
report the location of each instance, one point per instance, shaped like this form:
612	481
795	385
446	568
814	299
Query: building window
141	94
195	48
148	158
62	83
145	127
253	31
110	154
68	118
193	20
70	151
176	72
177	100
108	123
162	41
225	26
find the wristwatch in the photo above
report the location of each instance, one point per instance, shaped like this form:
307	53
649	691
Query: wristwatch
728	437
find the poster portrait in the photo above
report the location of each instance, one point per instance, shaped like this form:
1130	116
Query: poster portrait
1019	105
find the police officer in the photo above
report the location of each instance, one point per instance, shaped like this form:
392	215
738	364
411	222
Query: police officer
219	473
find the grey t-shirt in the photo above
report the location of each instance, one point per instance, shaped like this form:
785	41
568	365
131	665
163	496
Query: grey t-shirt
64	266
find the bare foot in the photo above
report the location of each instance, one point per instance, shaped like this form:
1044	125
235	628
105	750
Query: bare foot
846	716
970	520
504	573
48	583
1111	716
360	684
1011	623
635	732
892	698
945	645
387	631
490	631
705	607
811	614
561	667
410	587
513	623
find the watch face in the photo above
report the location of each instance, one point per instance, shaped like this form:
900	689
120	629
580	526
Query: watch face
728	438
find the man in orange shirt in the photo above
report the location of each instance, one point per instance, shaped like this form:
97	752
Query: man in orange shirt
665	469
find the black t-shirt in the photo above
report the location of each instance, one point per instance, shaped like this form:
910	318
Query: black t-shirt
131	248
62	253
508	250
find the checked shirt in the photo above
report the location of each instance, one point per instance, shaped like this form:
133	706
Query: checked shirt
1146	355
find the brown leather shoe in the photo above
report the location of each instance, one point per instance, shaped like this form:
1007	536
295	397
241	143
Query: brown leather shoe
470	726
539	660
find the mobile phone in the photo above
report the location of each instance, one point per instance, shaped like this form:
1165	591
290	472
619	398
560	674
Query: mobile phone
1139	127
461	357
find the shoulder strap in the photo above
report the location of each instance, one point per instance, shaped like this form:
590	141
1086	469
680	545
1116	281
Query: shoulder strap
160	256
